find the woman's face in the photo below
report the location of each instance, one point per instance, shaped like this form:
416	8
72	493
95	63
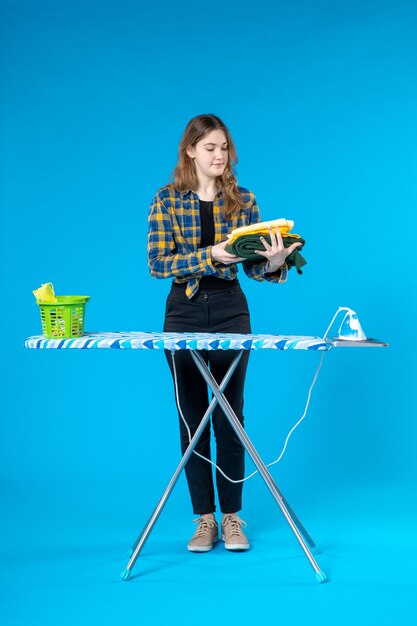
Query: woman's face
210	154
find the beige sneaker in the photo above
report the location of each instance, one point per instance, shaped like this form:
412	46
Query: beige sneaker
232	534
205	536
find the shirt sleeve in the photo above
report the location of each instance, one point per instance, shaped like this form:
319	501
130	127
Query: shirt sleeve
257	269
164	261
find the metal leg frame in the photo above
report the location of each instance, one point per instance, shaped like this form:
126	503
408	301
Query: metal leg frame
146	531
260	465
219	397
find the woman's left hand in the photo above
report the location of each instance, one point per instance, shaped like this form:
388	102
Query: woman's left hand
276	253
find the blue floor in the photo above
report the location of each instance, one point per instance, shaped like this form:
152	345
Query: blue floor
62	557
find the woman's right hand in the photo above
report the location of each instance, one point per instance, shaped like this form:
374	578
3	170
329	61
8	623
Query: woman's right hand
218	253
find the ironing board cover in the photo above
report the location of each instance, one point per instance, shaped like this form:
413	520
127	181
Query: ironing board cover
181	341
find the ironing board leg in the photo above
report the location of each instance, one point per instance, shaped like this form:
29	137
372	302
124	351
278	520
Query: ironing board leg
313	546
143	536
260	465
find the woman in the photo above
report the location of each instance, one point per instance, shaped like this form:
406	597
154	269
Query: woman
189	220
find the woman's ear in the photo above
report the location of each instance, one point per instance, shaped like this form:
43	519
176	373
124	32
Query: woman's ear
190	151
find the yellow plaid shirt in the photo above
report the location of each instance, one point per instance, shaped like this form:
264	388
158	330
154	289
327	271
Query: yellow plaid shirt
174	236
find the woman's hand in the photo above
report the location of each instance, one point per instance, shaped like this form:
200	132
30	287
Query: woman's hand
218	253
276	253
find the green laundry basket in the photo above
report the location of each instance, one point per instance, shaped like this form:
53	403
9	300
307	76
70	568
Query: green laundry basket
63	319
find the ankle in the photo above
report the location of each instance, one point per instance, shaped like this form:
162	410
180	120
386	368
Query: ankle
227	515
208	516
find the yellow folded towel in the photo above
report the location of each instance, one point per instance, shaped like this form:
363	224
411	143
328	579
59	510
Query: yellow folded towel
284	226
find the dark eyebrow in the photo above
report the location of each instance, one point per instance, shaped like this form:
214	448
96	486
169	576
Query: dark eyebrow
210	143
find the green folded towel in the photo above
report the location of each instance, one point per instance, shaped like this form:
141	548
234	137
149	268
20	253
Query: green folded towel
246	245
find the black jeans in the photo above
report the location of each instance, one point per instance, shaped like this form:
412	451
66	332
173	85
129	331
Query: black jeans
224	310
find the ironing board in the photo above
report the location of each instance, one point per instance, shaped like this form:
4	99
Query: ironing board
209	341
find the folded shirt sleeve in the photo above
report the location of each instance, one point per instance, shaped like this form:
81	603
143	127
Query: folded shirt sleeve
163	259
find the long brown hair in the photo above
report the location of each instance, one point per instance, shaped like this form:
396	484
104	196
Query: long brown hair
184	176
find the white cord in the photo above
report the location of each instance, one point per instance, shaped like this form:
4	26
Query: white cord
289	434
341	308
178	400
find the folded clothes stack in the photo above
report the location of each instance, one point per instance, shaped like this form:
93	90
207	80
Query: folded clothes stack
244	241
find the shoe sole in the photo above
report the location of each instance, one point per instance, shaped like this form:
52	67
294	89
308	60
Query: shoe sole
202	548
235	546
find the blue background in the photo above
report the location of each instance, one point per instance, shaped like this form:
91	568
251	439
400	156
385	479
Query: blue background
320	98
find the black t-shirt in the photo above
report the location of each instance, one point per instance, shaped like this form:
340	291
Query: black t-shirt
207	223
208	283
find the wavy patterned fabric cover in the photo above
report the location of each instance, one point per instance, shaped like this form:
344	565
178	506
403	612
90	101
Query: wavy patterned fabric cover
182	341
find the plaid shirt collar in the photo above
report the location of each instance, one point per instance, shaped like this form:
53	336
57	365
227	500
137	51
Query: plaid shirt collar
188	191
